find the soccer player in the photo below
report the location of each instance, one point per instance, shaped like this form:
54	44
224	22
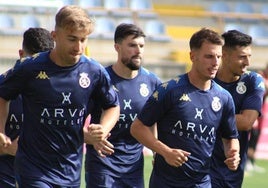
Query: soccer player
255	132
34	40
134	84
56	87
189	110
247	90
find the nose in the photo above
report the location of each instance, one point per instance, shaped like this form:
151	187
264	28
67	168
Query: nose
217	60
78	46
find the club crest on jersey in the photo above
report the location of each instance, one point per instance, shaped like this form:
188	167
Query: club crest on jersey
216	105
84	80
241	88
144	91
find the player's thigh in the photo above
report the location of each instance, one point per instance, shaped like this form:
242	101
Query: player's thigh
137	182
98	180
31	183
23	182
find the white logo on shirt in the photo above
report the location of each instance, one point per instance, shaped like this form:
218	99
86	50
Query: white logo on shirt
144	90
241	88
216	105
84	80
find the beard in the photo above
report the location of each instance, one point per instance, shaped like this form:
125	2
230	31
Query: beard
131	64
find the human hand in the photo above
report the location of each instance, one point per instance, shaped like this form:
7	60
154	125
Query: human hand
104	148
176	157
4	140
11	149
233	159
93	133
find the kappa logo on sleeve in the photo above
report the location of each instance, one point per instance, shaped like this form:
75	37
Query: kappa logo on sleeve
185	97
42	75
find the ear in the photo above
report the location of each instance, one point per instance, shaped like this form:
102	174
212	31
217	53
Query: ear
192	56
53	35
21	52
116	47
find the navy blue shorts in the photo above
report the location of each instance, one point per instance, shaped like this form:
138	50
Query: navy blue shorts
160	182
37	183
99	180
220	183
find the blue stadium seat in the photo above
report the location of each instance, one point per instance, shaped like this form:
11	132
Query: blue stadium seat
115	4
143	8
259	34
7	25
219	7
245	8
68	2
94	7
234	26
90	3
141	5
29	21
264	9
104	28
118	8
156	31
6	21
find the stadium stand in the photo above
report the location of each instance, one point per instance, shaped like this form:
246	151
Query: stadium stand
245	8
143	9
259	34
118	8
179	19
156	31
7	26
236	26
219	7
95	7
28	21
104	28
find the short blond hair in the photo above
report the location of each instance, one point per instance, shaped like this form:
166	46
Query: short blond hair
73	17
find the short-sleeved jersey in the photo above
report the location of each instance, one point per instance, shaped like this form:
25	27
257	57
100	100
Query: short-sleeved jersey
55	102
127	161
188	118
247	93
12	129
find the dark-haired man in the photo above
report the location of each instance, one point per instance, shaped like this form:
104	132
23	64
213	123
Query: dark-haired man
34	40
247	89
134	84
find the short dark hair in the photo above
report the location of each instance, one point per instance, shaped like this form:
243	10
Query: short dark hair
235	38
124	30
203	35
37	40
